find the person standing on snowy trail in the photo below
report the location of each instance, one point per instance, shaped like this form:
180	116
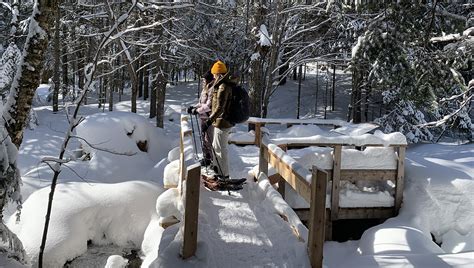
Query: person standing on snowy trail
203	108
220	109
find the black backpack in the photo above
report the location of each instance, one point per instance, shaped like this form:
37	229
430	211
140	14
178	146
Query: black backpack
239	110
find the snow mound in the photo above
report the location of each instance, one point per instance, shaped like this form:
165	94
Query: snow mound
42	95
242	137
370	158
174	154
314	134
298	131
100	213
119	145
122	132
455	242
397	237
116	261
439	186
171	174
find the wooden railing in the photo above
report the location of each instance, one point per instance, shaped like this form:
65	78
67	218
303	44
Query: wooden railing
258	123
189	185
336	174
311	186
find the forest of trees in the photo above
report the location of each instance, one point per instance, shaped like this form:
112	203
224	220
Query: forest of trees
397	62
410	60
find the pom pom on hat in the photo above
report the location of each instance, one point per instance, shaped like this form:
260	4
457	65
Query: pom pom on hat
219	68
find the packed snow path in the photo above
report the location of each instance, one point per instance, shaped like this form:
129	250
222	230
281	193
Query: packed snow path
245	234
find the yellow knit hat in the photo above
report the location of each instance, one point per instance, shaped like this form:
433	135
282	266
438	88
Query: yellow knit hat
219	68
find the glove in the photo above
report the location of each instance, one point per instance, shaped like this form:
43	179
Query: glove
194	110
206	125
190	109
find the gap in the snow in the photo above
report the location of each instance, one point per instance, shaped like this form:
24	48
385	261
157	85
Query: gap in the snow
344	230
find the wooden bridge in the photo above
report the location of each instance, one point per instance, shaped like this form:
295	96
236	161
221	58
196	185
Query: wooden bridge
310	184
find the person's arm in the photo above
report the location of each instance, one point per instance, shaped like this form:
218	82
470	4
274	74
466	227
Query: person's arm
205	107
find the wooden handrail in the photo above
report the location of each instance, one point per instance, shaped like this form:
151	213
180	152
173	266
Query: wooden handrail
292	121
311	186
189	182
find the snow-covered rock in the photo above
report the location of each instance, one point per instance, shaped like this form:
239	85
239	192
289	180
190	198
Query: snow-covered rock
116	261
81	212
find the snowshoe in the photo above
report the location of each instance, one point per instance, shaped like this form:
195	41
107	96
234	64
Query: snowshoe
216	184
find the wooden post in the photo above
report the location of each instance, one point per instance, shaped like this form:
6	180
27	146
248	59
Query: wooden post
400	178
328	226
336	176
258	134
281	187
317	217
282	181
191	211
181	157
263	160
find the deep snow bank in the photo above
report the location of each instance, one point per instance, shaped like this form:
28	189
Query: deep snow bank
123	132
438	200
102	213
101	134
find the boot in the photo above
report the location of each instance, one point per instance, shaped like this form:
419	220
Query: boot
205	162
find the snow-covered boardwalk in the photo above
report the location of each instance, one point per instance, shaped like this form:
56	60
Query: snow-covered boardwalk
242	231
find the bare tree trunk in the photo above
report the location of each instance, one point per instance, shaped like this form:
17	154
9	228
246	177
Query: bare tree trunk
356	97
274	54
111	92
133	77
146	84
298	104
27	77
154	88
333	87
101	90
65	67
161	81
256	77
57	63
140	78
317	89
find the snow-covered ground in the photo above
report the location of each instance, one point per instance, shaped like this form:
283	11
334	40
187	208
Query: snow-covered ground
107	203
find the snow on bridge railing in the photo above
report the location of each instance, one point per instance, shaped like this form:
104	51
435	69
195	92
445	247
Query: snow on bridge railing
314	121
329	139
189	185
311	186
340	126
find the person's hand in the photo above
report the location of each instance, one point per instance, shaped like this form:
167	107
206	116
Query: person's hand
194	111
206	125
190	109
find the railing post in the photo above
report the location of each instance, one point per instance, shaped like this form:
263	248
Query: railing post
336	176
263	159
258	134
317	217
191	211
400	178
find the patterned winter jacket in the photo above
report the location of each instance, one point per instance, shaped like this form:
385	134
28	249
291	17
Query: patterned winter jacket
221	96
205	100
